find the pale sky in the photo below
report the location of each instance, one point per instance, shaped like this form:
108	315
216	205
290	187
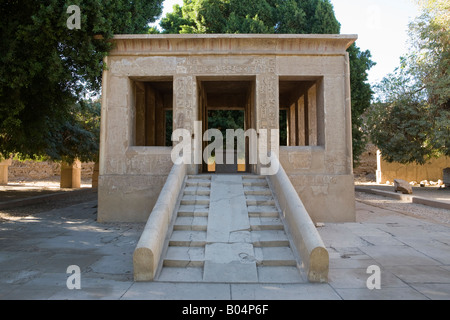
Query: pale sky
381	26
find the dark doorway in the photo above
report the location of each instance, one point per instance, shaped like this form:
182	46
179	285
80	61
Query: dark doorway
226	105
153	112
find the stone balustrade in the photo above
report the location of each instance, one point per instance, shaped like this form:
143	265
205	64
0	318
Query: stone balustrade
307	240
147	255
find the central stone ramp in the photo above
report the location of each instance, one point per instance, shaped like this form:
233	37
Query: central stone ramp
229	254
228	229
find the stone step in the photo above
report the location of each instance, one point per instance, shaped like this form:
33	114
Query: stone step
199	177
255	182
263	211
258	200
194	200
193	210
190	223
257	190
197	190
269	238
187	238
253	177
184	257
256	187
275	256
202	183
265	223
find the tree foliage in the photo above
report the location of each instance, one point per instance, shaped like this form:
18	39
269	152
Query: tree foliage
246	16
410	122
278	17
46	69
361	96
78	137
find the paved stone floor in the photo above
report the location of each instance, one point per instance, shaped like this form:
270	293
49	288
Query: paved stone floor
413	255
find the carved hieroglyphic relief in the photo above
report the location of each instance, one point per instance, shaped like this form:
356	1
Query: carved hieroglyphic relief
267	101
226	65
143	66
184	104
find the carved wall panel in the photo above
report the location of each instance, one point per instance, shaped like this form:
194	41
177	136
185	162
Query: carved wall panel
185	108
225	65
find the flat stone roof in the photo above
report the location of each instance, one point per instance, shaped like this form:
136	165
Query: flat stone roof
244	44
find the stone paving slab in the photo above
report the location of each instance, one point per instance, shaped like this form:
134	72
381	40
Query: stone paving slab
298	291
229	255
396	294
281	275
227	209
230	262
177	291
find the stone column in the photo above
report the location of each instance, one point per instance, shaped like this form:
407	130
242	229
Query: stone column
71	174
185	109
267	115
446	177
4	171
95	175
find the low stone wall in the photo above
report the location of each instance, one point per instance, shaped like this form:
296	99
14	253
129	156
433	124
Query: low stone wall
43	170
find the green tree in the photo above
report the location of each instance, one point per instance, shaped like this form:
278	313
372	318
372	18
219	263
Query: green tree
279	17
361	94
220	16
78	137
410	121
47	69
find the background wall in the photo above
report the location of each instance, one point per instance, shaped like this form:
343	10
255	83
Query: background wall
432	171
45	170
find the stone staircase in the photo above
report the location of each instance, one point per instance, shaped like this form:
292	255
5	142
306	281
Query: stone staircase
186	246
229	229
269	239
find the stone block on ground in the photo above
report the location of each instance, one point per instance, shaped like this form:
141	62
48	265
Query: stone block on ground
402	186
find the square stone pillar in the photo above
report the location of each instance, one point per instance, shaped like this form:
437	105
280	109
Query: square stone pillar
4	171
71	175
95	175
267	115
185	109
